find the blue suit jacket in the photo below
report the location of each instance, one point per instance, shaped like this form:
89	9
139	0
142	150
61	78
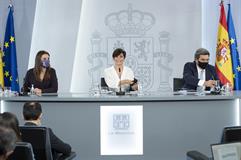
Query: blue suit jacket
190	75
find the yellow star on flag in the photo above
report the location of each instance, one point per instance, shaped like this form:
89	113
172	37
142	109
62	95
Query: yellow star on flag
12	39
234	75
232	41
6	45
11	78
238	68
6	73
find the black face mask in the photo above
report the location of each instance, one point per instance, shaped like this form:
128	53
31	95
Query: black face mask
202	65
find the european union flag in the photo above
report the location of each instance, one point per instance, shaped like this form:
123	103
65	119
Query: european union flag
9	55
234	51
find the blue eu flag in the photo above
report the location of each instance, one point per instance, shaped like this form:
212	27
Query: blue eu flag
234	51
9	55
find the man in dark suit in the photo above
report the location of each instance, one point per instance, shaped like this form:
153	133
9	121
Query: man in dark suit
199	73
32	113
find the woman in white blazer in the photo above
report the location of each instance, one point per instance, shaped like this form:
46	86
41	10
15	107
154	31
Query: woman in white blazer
119	75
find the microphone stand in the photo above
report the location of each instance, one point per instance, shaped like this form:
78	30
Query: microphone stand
120	93
216	90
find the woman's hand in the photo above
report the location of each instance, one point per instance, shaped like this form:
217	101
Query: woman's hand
135	87
37	91
126	81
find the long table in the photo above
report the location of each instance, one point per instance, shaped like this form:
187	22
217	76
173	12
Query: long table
172	124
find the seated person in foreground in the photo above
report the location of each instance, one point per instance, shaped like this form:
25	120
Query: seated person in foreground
10	120
199	73
32	113
7	142
119	75
42	76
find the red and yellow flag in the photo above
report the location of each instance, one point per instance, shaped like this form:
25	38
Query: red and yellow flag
223	62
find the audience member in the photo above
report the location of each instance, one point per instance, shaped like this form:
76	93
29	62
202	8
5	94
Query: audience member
32	113
9	120
7	142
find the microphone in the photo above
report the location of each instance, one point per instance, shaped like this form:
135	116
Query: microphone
210	73
120	93
120	72
216	89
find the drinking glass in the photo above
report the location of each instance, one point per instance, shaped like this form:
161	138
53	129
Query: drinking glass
104	90
95	89
7	91
201	90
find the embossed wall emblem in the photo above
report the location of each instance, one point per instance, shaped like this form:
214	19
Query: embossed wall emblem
130	31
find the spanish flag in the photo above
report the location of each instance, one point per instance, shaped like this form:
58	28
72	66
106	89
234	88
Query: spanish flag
223	62
1	68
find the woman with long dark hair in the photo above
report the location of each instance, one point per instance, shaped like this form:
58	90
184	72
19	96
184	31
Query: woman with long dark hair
42	78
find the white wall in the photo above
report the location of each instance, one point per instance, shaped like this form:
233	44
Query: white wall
210	20
24	11
80	43
167	43
55	30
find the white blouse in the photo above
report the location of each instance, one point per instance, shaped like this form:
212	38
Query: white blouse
112	79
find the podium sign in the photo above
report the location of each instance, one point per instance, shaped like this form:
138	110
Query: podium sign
121	130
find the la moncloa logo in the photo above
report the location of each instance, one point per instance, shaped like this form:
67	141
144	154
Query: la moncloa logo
121	121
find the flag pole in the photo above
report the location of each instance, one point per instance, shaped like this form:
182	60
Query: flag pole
221	2
10	3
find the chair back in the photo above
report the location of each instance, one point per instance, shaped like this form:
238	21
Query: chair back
102	82
22	151
178	84
39	138
231	134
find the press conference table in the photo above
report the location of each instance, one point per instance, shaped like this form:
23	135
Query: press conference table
172	123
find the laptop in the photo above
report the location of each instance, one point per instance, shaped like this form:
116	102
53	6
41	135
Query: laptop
226	151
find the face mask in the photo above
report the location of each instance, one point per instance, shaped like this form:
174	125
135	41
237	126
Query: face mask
202	65
45	63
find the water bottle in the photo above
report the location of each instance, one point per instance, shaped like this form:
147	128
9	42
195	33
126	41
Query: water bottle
32	90
227	88
140	89
217	86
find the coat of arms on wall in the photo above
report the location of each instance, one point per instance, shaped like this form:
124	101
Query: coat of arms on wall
130	31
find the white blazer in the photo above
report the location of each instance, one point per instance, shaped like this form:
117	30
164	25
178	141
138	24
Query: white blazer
112	79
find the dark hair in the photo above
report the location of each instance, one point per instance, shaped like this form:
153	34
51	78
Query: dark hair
10	120
38	66
117	52
7	140
201	51
32	110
